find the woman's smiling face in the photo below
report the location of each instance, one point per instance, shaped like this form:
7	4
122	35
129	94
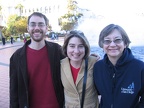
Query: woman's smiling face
116	46
75	49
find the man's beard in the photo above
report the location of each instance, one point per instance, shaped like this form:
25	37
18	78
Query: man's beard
38	39
41	37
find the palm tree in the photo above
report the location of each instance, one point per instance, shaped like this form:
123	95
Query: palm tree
20	7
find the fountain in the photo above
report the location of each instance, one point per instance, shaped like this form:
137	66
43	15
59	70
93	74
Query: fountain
91	25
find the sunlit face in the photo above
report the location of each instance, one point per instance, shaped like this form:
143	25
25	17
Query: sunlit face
75	49
116	47
37	28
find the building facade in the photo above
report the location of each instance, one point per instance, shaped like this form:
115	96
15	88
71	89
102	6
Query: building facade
53	9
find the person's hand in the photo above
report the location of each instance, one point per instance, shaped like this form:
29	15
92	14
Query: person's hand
96	55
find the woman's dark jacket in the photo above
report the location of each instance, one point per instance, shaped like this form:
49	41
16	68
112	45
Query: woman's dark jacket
19	95
122	85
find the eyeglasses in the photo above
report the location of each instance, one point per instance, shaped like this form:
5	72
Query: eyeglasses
40	25
116	41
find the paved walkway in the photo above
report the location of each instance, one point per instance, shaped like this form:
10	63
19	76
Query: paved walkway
5	53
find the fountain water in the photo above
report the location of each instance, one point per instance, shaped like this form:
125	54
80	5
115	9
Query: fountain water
91	25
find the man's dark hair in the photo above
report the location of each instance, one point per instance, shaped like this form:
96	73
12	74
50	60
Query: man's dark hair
40	15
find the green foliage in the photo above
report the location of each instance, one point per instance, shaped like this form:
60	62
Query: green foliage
21	25
70	20
72	6
20	7
16	25
6	32
49	28
14	38
11	24
68	26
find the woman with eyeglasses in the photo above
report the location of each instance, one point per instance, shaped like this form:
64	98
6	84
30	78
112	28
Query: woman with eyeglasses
119	76
76	49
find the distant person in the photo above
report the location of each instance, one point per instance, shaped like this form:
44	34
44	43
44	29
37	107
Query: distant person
3	40
119	76
76	49
25	39
35	80
56	36
11	40
53	36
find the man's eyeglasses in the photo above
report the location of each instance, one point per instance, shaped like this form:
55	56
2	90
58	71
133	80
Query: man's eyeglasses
40	25
116	41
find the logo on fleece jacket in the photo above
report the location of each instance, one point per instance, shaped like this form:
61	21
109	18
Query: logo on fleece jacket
129	89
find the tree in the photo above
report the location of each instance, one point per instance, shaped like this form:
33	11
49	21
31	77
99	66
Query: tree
69	21
11	24
6	32
21	25
16	25
20	7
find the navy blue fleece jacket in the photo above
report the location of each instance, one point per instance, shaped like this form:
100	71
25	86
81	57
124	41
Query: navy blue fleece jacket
122	85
